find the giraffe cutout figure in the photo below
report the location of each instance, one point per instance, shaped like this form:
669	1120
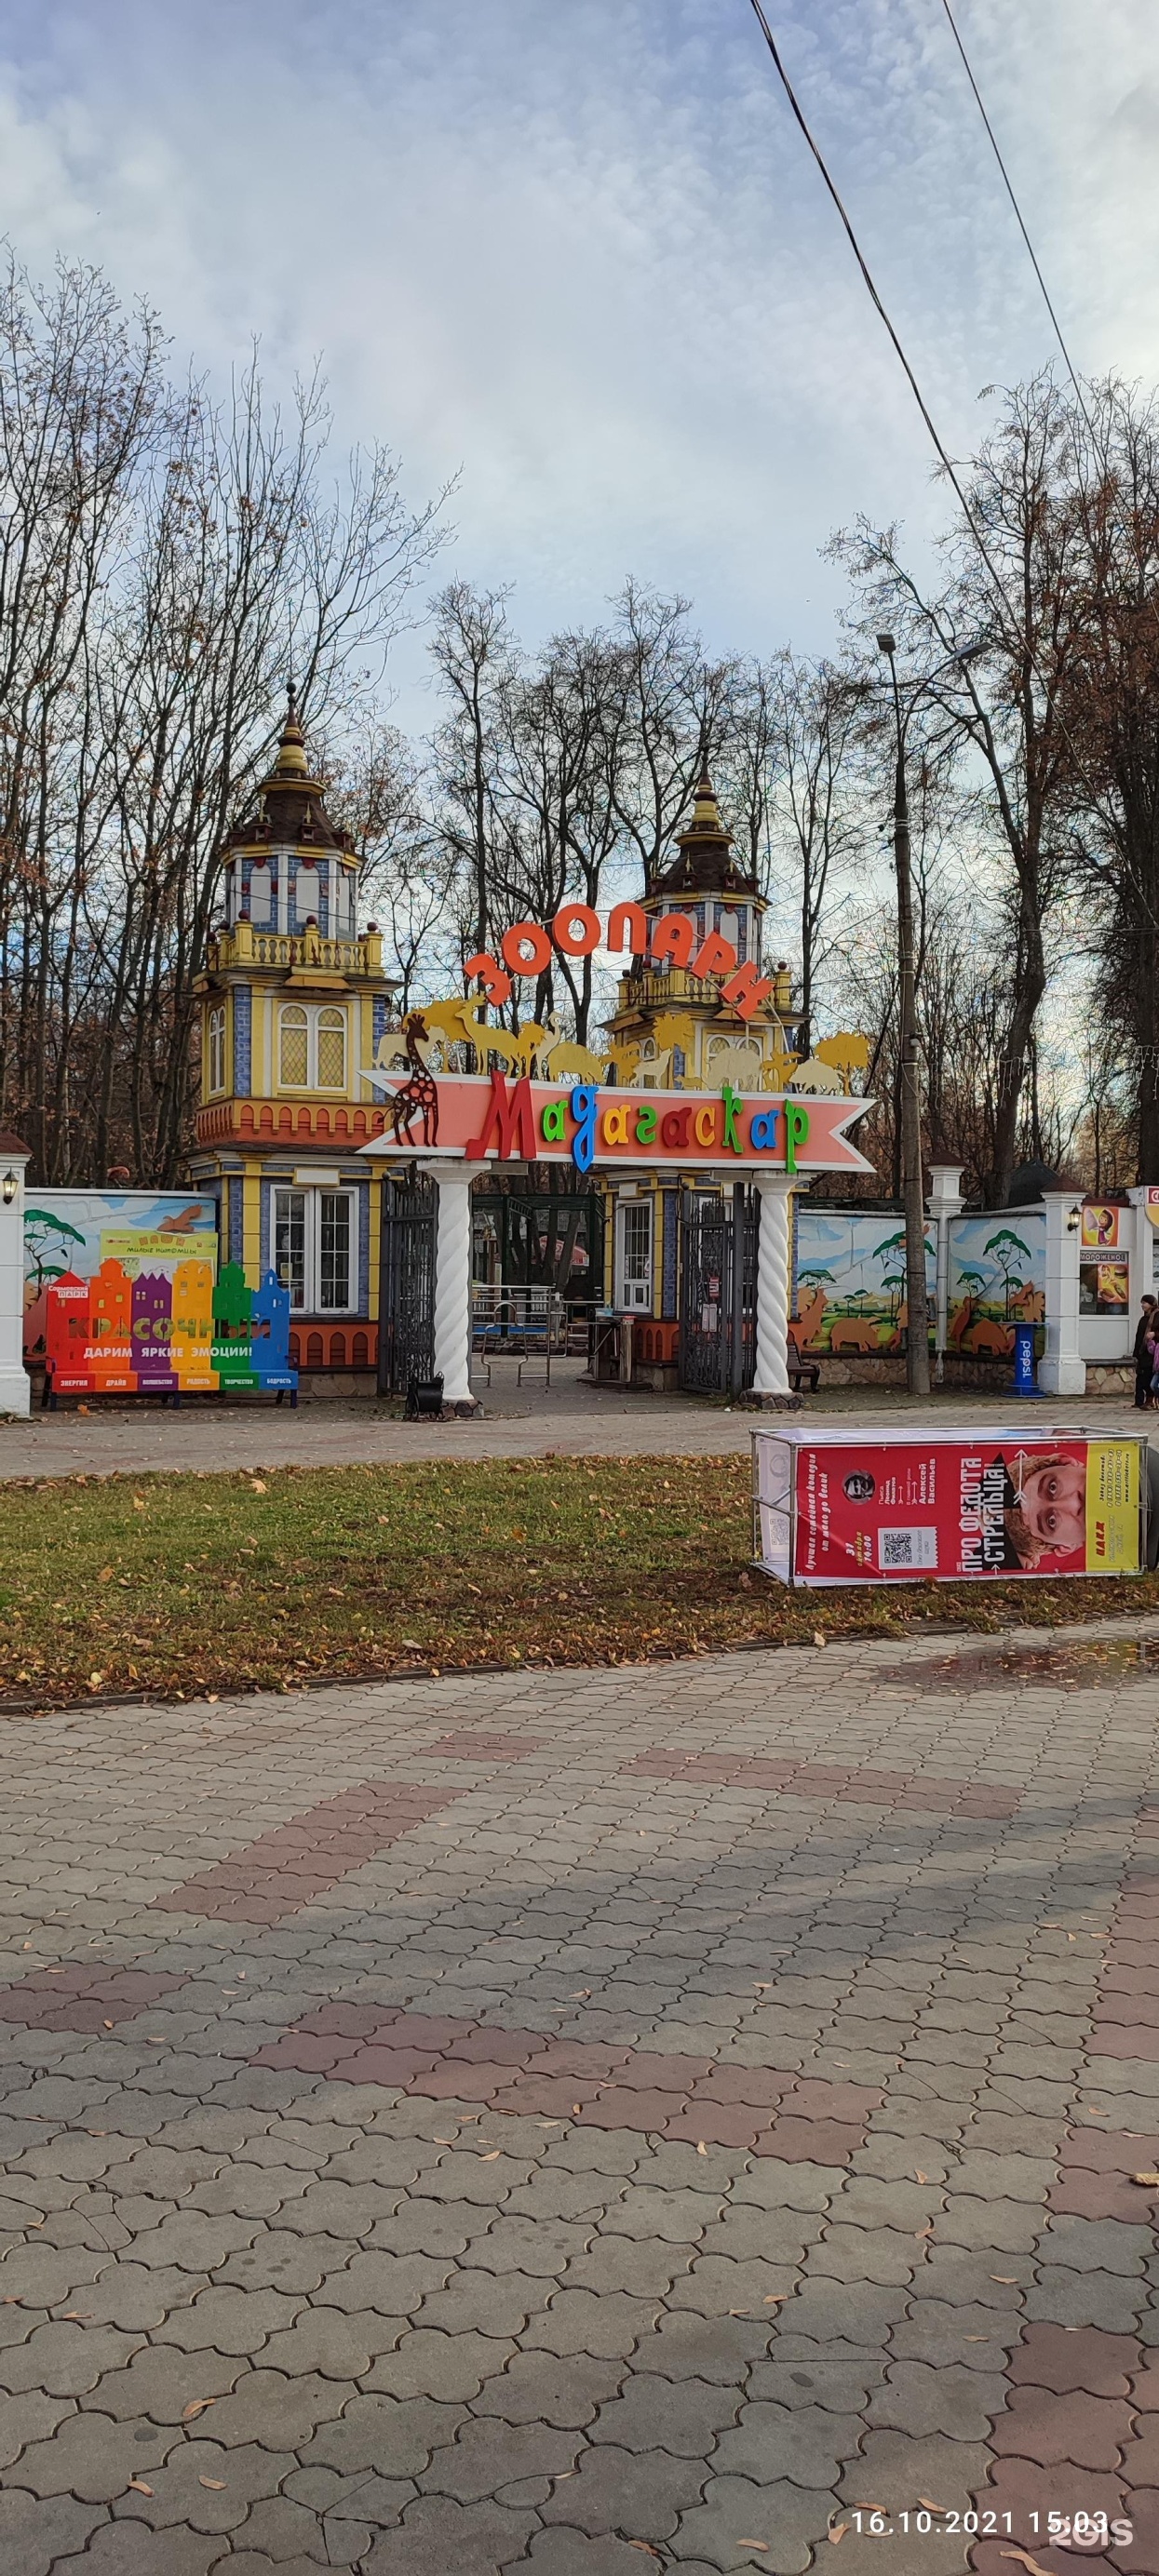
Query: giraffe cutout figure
420	1093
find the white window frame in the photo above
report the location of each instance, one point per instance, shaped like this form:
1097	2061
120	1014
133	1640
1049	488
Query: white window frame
634	1294
307	897
261	877
313	1198
313	1011
215	1049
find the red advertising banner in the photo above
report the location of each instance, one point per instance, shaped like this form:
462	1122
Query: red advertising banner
913	1510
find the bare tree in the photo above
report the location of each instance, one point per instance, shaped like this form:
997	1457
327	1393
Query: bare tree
1111	707
994	651
407	868
555	797
671	715
83	403
163	564
803	803
474	652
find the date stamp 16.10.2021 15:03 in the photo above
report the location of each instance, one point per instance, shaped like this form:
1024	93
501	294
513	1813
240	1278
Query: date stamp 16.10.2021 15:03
1057	2529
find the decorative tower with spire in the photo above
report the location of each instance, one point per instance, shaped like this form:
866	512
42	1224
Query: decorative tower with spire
676	1022
293	1002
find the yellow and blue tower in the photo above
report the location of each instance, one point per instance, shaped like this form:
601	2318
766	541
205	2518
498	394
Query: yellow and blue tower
293	1004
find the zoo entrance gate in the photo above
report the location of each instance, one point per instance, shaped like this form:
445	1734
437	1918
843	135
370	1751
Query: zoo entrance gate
718	1290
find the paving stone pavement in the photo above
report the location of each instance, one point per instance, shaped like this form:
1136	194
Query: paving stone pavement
682	2114
570	1418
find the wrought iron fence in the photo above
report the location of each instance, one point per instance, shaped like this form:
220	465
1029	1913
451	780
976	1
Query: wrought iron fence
718	1290
406	1334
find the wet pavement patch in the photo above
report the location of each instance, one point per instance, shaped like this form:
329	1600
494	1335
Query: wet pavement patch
1076	1664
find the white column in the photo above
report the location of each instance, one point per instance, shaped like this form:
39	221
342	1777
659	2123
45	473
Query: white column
773	1269
1061	1370
14	1387
453	1285
1141	1251
945	1200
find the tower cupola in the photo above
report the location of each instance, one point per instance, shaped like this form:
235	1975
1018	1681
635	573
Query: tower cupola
704	862
285	866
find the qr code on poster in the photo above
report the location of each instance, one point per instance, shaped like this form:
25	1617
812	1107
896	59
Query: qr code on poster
907	1547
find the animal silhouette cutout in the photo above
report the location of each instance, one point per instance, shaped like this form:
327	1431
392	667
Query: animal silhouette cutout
392	1055
846	1334
815	1076
974	1333
740	1065
563	1060
651	1072
810	1310
419	1096
464	1022
445	1020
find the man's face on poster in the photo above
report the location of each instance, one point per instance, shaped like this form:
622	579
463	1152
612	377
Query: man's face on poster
1054	1505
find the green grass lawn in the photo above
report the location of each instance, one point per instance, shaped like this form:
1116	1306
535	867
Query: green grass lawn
203	1583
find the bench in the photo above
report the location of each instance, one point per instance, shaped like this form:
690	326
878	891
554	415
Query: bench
803	1371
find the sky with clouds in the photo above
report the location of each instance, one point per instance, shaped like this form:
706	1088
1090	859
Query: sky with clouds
575	251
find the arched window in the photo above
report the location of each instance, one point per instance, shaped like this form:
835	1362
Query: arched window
312	1047
216	1048
293	1047
331	1074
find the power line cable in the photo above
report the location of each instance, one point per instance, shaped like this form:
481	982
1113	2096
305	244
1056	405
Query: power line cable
1008	184
1097	440
941	451
944	456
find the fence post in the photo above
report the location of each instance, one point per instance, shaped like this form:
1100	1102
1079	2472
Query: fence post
14	1386
736	1316
1062	1370
945	1201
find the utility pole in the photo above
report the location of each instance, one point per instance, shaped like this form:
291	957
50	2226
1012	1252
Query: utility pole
909	1047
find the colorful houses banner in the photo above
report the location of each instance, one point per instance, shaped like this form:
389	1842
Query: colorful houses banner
74	1231
167	1333
123	1297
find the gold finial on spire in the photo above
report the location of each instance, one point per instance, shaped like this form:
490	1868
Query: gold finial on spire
291	760
705	810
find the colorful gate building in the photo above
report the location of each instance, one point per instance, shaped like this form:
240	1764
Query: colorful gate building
295	1130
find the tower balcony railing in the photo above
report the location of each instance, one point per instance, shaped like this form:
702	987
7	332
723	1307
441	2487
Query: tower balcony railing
665	989
245	945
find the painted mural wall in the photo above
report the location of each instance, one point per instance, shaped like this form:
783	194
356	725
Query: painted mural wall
850	1281
997	1279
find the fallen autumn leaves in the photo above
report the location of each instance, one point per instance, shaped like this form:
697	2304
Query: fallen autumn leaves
187	1586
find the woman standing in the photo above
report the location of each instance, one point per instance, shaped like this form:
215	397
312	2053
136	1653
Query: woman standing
1144	1354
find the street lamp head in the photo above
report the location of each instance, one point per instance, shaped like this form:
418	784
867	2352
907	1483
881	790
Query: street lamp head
887	644
9	1187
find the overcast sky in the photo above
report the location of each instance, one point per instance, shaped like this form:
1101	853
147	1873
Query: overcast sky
575	250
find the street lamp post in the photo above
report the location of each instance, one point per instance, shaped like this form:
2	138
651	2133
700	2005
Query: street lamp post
909	1045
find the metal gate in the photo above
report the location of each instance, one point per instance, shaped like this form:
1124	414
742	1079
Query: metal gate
406	1325
718	1290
